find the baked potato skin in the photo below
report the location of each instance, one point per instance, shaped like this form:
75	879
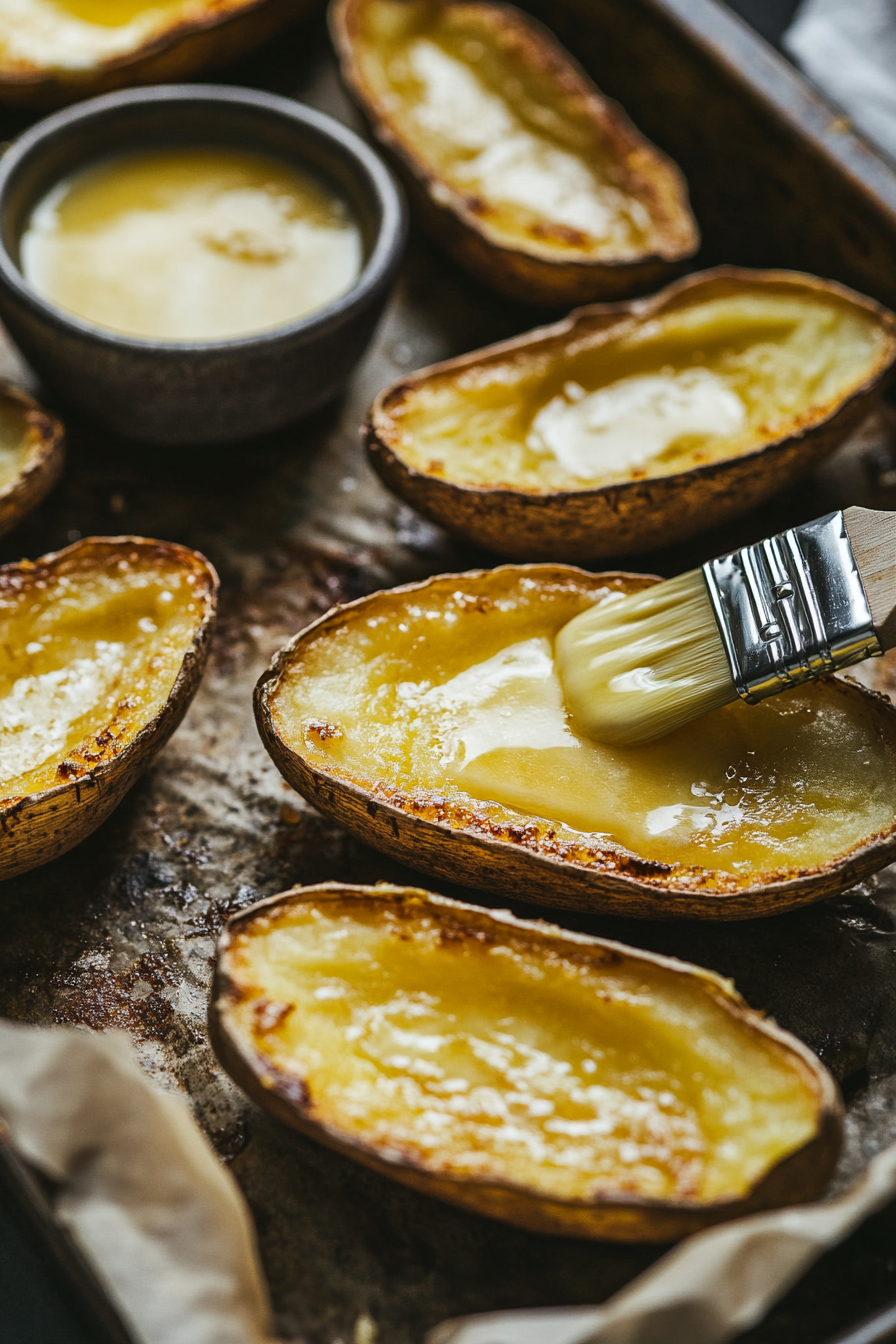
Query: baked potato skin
520	274
227	30
38	827
44	463
800	1177
632	516
458	843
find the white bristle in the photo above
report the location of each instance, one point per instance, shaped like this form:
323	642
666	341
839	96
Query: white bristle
636	668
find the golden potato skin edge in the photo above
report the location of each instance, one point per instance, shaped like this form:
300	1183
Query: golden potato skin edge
44	463
800	1177
188	46
629	517
512	271
507	864
40	826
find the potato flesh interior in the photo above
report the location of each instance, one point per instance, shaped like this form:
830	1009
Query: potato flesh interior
75	34
714	379
511	1058
88	658
16	441
449	694
496	132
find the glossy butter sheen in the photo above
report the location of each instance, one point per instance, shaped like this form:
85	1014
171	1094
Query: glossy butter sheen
91	650
464	107
454	697
191	244
709	380
78	34
502	1058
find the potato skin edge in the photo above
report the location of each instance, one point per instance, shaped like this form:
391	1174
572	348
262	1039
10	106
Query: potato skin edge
520	275
183	49
800	1177
38	827
628	517
491	863
44	463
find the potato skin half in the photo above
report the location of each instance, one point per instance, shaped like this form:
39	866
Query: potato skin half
800	1177
44	463
40	826
628	517
451	841
228	29
526	276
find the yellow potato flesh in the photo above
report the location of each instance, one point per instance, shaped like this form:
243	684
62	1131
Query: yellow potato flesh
90	654
757	366
498	134
515	1059
15	441
438	696
75	34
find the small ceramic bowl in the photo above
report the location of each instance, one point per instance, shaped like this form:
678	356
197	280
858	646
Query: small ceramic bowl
198	392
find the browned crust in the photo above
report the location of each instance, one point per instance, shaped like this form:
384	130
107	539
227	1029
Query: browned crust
40	826
798	1178
43	465
529	275
229	29
525	860
630	516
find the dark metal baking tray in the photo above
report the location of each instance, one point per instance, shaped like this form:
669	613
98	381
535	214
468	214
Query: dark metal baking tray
120	932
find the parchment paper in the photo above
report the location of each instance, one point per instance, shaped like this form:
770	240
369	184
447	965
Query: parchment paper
140	1189
169	1234
848	48
708	1289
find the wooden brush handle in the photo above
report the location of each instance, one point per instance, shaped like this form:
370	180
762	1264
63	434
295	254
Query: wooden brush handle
872	535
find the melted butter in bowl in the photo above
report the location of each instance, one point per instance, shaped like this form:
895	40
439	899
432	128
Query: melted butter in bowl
192	244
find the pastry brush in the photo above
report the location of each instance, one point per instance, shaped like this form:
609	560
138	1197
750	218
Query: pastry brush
761	620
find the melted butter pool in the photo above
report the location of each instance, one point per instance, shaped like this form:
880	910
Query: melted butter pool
509	1059
455	695
191	244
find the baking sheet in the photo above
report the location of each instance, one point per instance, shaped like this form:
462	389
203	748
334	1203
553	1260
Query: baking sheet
121	931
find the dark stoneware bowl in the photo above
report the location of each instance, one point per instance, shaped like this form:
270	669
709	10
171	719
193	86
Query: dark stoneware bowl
171	392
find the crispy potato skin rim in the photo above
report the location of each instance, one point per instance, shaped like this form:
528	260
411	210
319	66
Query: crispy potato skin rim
532	276
227	30
507	859
798	1178
40	826
626	517
43	465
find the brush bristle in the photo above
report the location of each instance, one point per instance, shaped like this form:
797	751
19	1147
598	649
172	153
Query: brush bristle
636	668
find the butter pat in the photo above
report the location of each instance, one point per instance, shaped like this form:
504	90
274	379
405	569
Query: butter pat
628	423
193	244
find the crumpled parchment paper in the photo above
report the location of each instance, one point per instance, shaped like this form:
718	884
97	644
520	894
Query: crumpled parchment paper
167	1230
705	1291
848	48
140	1189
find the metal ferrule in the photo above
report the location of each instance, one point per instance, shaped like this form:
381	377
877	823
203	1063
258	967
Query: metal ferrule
791	608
